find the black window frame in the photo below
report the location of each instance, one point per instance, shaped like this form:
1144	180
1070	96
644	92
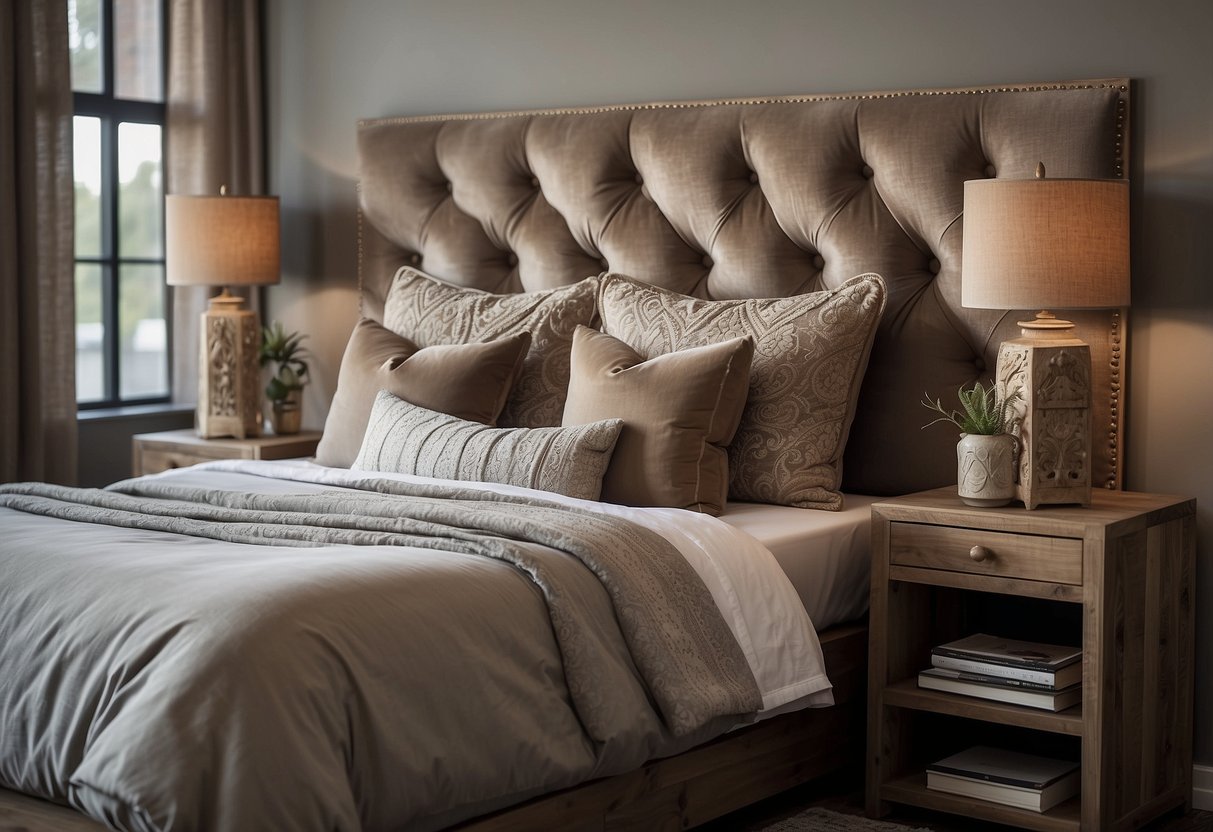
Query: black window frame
112	112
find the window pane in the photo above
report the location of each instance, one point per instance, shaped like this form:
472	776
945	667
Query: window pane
90	332
140	191
84	40
137	50
86	164
143	334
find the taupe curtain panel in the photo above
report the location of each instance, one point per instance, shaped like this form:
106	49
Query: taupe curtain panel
37	288
215	134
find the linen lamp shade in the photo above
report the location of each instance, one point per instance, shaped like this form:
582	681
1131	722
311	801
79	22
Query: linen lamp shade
1047	244
224	241
221	240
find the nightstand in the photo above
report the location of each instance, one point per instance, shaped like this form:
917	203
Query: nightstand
1114	578
155	452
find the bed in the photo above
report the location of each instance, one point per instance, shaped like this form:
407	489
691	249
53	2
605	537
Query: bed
725	200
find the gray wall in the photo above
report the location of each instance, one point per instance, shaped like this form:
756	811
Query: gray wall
332	63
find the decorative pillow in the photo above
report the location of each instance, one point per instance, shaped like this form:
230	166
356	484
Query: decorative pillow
470	381
810	353
679	412
405	439
430	311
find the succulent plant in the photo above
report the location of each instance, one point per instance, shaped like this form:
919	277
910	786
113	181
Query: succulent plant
982	413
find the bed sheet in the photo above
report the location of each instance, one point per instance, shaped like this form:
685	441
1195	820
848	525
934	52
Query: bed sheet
825	554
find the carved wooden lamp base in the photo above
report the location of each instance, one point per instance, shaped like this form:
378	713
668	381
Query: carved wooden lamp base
1051	370
228	376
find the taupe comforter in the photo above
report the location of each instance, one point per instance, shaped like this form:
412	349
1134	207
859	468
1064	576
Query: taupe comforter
407	655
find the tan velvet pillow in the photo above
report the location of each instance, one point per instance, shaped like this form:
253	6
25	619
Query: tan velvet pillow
405	439
810	353
430	311
679	412
469	381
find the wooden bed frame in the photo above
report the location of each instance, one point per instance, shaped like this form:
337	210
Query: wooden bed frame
731	772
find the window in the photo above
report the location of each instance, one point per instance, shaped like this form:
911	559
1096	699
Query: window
118	72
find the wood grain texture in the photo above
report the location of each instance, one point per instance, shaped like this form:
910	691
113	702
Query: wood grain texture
152	453
1031	557
1136	554
1113	512
22	813
907	694
987	583
913	791
712	780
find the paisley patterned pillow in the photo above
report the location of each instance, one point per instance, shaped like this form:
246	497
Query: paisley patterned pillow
429	311
403	438
810	353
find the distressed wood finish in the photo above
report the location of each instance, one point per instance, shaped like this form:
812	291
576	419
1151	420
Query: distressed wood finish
1036	558
152	453
1134	583
712	780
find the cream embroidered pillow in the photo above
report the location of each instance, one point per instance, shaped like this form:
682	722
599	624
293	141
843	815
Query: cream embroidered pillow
810	353
430	311
403	438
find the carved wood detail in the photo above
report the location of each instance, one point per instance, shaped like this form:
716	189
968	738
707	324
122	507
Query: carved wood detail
228	381
1053	381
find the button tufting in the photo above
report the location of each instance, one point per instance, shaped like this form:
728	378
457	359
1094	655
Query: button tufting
980	364
603	262
819	262
415	259
450	187
639	179
707	261
991	172
867	172
535	182
753	177
512	259
934	266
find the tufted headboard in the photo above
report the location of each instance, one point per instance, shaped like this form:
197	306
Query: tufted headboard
757	198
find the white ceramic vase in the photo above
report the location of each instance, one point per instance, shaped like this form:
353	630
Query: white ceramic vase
985	469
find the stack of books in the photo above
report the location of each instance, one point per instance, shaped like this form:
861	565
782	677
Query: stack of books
1003	670
1007	777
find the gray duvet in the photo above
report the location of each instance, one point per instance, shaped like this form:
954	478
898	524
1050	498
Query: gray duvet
177	657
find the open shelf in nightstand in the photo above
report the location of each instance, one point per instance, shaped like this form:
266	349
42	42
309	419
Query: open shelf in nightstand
907	694
1113	578
912	790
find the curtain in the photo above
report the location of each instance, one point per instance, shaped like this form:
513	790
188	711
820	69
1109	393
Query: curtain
37	284
215	122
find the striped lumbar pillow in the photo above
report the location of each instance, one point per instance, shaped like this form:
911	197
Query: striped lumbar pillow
403	438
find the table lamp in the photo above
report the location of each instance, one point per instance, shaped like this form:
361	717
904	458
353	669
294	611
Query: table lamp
1047	244
225	241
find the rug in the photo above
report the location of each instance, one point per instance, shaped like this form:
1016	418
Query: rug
823	820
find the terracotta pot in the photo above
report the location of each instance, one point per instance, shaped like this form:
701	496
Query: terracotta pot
286	415
985	469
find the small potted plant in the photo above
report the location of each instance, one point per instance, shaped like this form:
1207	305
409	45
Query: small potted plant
985	454
285	352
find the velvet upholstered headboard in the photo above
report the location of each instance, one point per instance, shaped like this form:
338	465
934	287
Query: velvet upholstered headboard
758	198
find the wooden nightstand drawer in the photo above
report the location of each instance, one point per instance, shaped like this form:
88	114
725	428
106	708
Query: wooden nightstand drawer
1029	557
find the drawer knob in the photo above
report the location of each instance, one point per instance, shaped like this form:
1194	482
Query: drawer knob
980	553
